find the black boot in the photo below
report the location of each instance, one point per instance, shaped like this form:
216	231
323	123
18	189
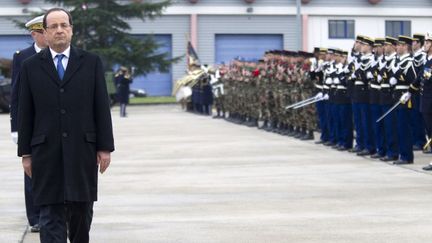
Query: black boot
308	136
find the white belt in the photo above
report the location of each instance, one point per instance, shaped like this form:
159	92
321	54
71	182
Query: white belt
341	87
375	86
326	87
359	83
402	87
385	85
333	86
318	86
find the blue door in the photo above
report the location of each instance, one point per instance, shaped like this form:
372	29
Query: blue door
249	47
156	83
9	44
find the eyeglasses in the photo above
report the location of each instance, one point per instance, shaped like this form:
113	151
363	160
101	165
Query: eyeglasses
62	26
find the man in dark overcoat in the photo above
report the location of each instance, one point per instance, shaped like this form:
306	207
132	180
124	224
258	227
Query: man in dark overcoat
65	131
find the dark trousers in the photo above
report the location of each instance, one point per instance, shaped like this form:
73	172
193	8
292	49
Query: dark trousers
428	122
417	122
345	126
390	131
404	134
122	109
362	125
32	211
378	129
329	122
61	221
320	105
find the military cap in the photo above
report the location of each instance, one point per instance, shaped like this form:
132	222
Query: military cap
390	40
419	37
323	50
379	41
359	38
338	51
331	51
428	36
316	49
344	53
305	54
368	41
405	40
35	23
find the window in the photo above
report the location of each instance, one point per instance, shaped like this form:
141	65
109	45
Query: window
341	29
396	28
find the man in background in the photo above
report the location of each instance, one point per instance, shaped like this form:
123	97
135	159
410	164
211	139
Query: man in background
36	30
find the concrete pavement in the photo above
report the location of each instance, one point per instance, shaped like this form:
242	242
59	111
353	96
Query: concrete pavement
180	177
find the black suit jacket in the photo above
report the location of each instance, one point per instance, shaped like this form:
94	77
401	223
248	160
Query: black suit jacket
62	124
18	58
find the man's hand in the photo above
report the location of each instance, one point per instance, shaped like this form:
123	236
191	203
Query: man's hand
103	160
14	136
319	95
405	97
27	165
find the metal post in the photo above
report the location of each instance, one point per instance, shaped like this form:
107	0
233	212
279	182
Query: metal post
298	26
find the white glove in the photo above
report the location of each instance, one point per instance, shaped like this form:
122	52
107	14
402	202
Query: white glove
405	97
379	78
369	75
329	81
353	76
14	136
319	95
393	81
336	80
326	97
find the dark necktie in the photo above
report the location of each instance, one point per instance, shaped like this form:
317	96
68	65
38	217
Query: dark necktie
60	68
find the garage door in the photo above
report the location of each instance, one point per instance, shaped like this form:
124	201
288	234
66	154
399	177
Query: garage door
156	83
9	44
245	46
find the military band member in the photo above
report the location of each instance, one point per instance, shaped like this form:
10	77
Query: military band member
386	100
423	85
361	108
342	104
318	76
403	77
417	123
374	99
329	71
353	67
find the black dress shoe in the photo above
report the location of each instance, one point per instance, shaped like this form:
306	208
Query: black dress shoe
429	151
402	162
364	153
387	159
328	143
417	148
428	167
342	148
376	156
35	228
354	150
319	142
